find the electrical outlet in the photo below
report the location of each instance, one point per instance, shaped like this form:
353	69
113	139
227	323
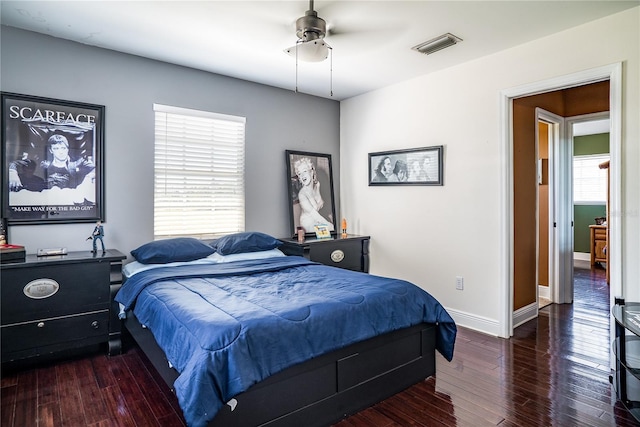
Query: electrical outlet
459	283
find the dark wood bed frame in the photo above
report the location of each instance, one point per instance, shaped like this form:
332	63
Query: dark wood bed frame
325	389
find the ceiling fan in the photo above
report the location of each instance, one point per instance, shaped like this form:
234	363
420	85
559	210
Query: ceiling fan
311	30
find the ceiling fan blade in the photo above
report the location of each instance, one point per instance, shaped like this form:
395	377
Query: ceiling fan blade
349	19
342	35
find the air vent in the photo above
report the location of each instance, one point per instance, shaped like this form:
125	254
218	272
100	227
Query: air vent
436	44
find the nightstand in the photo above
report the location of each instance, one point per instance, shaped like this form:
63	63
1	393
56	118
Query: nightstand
59	303
350	252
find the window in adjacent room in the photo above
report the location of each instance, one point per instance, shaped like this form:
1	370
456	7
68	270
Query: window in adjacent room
199	173
589	181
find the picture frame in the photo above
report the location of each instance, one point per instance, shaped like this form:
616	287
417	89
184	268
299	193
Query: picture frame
413	166
322	232
52	160
310	192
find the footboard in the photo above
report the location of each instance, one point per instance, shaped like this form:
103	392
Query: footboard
325	389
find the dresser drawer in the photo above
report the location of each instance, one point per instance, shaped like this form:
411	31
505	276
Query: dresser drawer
49	335
350	252
339	253
66	289
601	234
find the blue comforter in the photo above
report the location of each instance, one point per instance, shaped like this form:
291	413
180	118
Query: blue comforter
225	327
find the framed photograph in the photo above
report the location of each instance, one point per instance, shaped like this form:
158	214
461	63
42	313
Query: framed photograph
310	182
414	166
322	232
52	160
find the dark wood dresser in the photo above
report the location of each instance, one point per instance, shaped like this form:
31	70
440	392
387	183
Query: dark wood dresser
59	303
350	252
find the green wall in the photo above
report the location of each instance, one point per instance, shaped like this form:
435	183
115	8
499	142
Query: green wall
591	144
583	215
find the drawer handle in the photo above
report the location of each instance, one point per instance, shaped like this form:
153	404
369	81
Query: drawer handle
40	324
41	288
337	255
95	324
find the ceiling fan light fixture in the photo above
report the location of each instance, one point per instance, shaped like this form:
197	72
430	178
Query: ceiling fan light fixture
310	46
309	51
436	44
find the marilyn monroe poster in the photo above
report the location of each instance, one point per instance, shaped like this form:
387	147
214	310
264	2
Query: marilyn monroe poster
310	181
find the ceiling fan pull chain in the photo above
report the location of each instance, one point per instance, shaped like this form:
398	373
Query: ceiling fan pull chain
297	66
331	71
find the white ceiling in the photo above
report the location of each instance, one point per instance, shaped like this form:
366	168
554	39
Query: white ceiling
371	40
592	127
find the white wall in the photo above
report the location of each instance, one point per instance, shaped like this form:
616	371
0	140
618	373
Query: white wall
128	86
429	235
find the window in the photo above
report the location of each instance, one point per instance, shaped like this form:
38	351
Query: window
199	173
589	181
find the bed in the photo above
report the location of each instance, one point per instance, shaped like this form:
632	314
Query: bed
245	335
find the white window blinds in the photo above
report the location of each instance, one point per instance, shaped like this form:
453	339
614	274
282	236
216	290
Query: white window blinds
589	181
199	173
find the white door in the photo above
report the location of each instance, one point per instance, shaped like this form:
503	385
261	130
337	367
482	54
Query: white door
560	214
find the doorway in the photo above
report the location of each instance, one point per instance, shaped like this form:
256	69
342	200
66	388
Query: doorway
519	304
552	159
559	140
589	137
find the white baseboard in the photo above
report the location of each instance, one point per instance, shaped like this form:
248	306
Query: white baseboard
520	316
524	314
477	323
543	291
581	256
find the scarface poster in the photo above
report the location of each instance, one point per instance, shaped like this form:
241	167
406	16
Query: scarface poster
52	158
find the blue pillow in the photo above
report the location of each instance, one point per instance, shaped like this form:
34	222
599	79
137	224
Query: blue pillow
249	241
179	249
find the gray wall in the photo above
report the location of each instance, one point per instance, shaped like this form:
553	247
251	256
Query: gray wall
128	86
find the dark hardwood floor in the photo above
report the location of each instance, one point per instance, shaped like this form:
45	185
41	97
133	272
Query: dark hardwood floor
553	372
